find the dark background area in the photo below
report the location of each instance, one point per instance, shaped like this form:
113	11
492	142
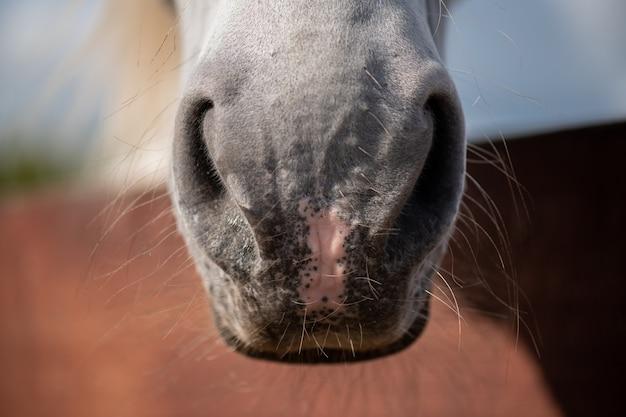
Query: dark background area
568	255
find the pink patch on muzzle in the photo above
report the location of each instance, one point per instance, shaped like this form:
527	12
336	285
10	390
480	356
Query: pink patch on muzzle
323	279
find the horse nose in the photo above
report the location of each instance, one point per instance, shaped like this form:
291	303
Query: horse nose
314	245
322	279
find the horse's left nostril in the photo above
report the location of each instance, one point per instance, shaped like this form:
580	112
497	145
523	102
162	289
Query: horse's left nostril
431	206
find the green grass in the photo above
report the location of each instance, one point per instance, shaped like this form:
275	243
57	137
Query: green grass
20	172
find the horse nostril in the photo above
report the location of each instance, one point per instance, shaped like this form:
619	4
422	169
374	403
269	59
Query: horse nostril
441	182
195	175
432	204
207	105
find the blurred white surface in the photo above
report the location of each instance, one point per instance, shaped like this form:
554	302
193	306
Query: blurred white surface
530	66
92	81
49	89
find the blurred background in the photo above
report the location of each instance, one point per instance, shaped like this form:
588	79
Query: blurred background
85	85
100	309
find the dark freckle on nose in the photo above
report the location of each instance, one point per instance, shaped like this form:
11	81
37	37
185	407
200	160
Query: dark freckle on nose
324	299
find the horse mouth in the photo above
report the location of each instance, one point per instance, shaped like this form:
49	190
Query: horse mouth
321	355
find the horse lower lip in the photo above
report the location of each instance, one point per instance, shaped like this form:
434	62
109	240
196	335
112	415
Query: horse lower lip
333	356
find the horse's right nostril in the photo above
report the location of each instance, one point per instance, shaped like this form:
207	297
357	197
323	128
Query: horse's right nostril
205	105
195	175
